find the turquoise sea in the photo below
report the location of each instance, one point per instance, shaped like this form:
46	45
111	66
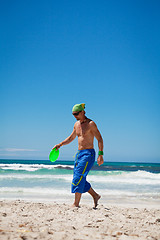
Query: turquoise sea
115	181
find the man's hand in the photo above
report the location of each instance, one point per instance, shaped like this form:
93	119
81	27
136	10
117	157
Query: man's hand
100	160
57	146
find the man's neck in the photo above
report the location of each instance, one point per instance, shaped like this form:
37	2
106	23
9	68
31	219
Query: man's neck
83	120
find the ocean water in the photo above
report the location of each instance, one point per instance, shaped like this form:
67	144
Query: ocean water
116	182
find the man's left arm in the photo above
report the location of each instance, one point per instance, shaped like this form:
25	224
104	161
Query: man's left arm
99	138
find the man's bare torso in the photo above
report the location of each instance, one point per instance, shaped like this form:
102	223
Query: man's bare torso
85	134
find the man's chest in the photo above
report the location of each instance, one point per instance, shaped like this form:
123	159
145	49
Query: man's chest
82	129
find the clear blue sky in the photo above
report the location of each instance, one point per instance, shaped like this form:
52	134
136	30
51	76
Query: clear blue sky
54	54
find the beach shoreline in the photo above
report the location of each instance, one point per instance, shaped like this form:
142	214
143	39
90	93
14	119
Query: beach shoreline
30	219
86	199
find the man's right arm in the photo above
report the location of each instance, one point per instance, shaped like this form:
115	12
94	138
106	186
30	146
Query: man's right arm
67	140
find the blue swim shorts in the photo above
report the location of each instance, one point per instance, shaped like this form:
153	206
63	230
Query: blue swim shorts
84	161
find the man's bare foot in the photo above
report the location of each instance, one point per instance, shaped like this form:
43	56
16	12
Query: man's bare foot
96	200
74	205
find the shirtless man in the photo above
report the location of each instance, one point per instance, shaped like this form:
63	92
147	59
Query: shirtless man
86	130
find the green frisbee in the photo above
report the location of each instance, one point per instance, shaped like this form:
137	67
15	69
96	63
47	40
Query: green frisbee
54	155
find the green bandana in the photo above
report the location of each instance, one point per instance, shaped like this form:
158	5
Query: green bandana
78	107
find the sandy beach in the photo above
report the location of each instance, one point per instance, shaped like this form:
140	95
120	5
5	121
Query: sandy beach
21	219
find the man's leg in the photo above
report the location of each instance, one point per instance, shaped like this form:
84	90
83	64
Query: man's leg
77	199
95	196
